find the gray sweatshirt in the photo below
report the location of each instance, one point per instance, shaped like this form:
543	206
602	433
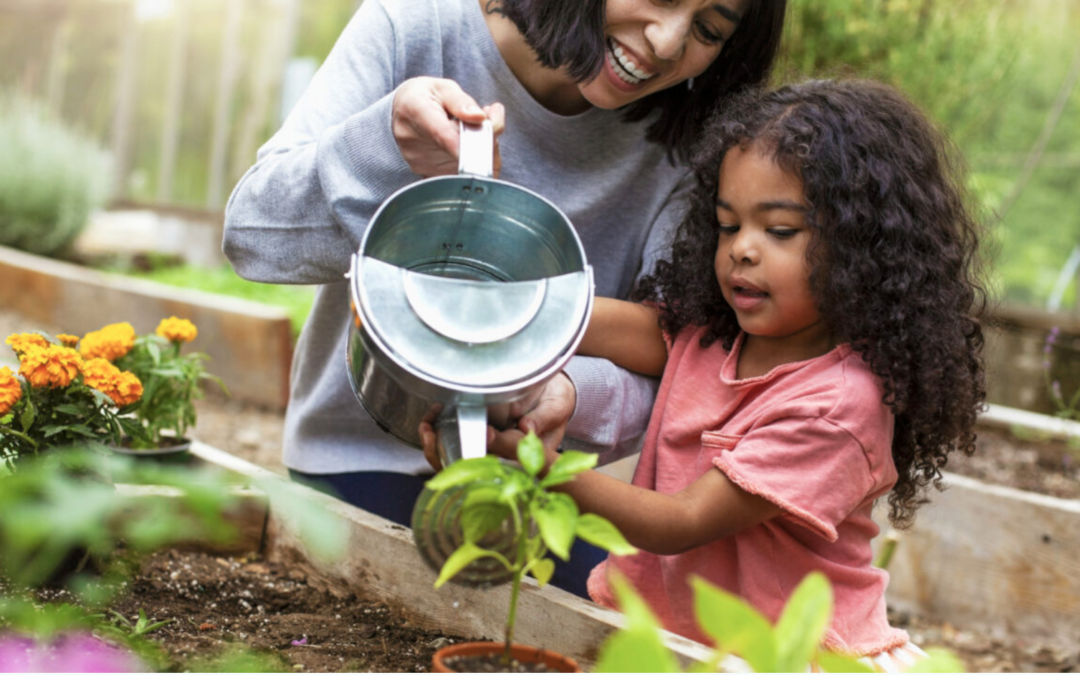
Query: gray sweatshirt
299	213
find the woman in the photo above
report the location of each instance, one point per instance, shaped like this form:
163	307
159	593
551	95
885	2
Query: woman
595	105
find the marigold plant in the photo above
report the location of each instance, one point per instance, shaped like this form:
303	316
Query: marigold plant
20	342
58	399
122	387
10	390
176	330
53	366
172	381
109	343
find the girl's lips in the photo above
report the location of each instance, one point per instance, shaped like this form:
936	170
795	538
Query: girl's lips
747	298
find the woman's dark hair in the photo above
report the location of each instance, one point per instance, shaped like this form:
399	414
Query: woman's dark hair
570	34
893	255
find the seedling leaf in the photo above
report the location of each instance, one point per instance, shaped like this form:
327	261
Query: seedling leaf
557	518
734	625
599	531
460	559
530	453
465	471
569	464
803	622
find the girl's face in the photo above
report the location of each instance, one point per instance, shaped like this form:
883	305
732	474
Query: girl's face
761	257
656	44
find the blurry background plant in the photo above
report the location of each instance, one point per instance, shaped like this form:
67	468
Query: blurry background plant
50	178
58	398
172	381
64	505
739	630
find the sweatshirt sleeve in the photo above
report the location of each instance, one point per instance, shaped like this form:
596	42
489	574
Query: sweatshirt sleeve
298	214
613	404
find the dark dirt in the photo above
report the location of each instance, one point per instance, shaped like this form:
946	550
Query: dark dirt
218	602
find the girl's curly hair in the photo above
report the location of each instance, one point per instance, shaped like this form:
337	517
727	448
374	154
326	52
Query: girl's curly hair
893	255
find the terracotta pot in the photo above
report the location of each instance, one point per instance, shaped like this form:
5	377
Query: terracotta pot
523	653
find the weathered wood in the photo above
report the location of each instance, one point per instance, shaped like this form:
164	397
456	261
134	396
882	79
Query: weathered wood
381	563
993	557
248	516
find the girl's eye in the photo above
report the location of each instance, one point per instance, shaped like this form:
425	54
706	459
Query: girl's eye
706	34
783	233
728	229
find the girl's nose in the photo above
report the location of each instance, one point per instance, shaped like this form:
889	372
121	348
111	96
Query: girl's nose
667	34
744	250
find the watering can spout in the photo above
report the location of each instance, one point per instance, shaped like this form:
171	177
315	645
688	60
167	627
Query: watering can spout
462	433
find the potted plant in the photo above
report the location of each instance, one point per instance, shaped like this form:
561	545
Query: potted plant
59	398
172	380
539	521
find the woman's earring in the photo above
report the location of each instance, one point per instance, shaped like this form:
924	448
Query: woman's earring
690	84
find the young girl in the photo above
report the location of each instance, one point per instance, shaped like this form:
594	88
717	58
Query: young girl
817	330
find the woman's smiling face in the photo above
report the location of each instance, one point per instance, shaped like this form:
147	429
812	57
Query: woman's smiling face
656	44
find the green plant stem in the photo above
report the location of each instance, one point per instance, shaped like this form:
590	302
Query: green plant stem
19	434
515	589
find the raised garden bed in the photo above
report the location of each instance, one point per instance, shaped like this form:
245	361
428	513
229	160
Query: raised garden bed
994	557
380	571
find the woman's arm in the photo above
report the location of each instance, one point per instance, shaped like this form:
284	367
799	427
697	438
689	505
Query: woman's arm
627	334
365	127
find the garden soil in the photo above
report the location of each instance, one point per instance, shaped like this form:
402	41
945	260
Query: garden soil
217	601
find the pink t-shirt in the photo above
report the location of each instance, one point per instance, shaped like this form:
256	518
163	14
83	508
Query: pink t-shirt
814	438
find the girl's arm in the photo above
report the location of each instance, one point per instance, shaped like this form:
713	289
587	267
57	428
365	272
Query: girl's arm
710	508
627	334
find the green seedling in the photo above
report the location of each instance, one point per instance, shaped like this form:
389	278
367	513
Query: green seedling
142	626
542	520
736	628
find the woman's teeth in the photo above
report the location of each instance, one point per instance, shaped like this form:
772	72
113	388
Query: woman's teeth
626	69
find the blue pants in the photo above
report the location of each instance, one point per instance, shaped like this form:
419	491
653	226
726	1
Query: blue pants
393	495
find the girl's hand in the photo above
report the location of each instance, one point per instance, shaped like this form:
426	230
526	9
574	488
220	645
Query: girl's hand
424	123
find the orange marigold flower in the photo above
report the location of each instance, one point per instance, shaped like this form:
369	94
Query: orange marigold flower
177	330
10	390
121	386
67	340
53	366
111	342
20	342
128	389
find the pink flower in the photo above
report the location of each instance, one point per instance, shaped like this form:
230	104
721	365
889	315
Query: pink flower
69	653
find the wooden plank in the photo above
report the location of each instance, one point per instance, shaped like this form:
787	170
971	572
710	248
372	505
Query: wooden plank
248	516
993	557
381	563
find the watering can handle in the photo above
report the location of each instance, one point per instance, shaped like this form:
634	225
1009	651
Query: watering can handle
476	149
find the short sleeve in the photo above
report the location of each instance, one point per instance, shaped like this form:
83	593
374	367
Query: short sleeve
814	470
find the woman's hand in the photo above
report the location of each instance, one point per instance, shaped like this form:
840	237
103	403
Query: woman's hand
424	122
548	418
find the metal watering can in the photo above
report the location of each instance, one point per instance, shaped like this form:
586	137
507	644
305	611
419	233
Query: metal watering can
468	293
